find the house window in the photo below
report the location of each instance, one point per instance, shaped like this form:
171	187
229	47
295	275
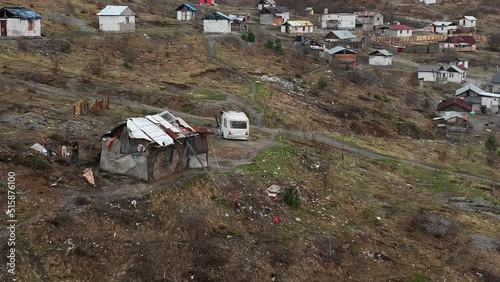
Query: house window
451	75
31	25
169	154
127	19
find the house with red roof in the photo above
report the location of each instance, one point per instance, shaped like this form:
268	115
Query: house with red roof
454	104
396	30
459	43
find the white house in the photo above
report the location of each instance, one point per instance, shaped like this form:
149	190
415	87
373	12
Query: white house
398	30
380	58
427	2
468	21
297	27
216	23
450	60
434	73
116	19
443	27
266	4
368	20
456	74
185	12
489	101
18	22
283	12
338	21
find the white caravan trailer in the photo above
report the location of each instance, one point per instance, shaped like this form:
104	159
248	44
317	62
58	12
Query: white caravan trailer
234	125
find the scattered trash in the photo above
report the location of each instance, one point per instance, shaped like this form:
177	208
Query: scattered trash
134	203
315	166
297	219
382	256
226	215
378	218
55	183
276	220
273	190
89	176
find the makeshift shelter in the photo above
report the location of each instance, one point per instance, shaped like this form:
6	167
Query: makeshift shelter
153	147
185	12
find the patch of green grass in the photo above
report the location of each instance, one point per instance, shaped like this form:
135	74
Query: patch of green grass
207	95
277	162
417	278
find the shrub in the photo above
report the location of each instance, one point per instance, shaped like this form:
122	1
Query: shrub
291	197
40	162
127	65
278	47
322	84
244	36
250	37
269	44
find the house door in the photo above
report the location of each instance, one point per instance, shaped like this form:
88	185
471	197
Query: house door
3	28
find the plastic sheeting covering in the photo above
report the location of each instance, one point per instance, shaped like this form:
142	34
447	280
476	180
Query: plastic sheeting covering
134	165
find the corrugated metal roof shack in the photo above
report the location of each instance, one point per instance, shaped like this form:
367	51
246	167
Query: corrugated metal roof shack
153	147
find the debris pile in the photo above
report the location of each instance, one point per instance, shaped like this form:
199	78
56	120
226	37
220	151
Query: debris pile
292	85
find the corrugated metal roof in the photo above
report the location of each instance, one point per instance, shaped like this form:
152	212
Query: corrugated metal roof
382	52
442	23
156	128
217	16
189	7
475	89
111	10
19	13
470	18
344	34
298	23
339	49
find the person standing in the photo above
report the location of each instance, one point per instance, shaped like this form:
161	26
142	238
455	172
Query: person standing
74	151
48	147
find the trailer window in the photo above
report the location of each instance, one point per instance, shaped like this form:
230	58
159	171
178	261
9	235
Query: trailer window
225	123
239	124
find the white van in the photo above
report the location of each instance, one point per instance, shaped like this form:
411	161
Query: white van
234	125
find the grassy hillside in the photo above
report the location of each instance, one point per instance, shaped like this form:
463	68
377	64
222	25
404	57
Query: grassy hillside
340	215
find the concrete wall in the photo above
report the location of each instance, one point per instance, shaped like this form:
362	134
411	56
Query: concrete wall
430	76
345	21
398	33
380	61
19	28
455	77
297	29
214	26
185	15
467	23
266	19
117	23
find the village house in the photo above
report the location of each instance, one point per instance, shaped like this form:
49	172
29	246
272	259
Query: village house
297	27
443	27
339	35
314	47
216	23
116	19
473	94
153	147
450	60
341	55
454	104
272	16
380	58
433	73
283	13
456	74
185	12
338	21
468	22
459	43
452	122
427	2
399	30
238	22
265	4
368	21
19	22
206	2
495	83
309	11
